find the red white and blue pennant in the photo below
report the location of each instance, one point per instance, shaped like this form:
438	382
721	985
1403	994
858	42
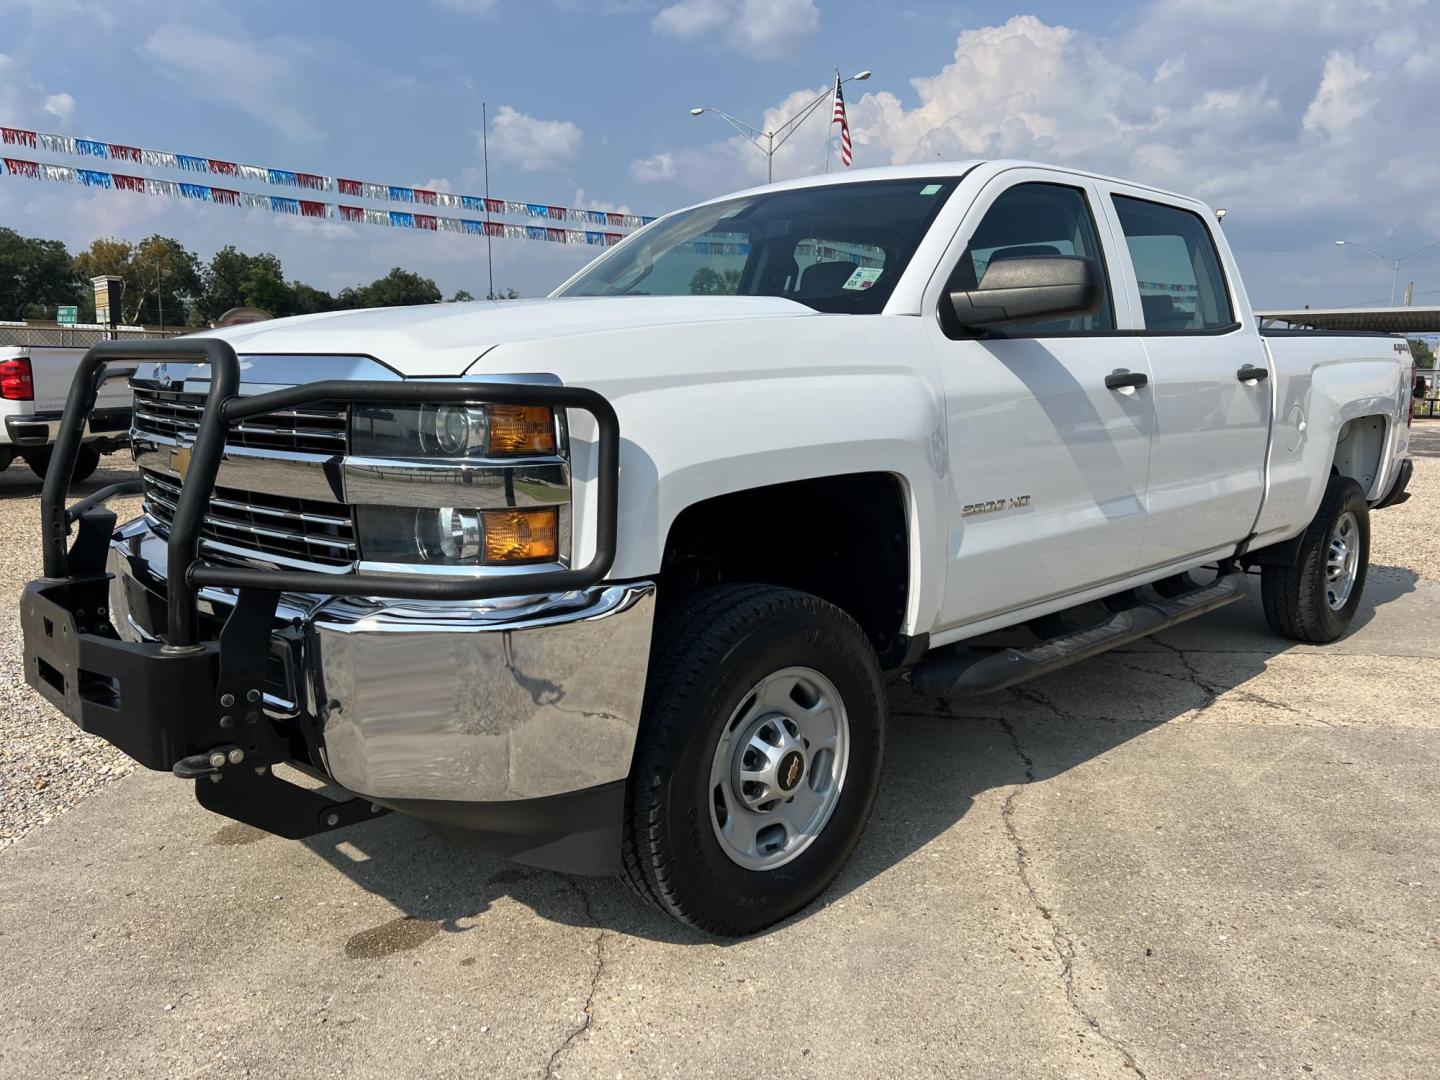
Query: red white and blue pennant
161	159
310	208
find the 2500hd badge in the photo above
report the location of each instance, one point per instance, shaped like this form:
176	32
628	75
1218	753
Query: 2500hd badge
1014	502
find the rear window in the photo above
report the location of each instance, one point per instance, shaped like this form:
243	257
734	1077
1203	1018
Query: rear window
1177	269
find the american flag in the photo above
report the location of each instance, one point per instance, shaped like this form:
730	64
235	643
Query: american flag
847	154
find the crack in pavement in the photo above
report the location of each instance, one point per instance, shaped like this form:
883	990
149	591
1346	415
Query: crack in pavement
1061	942
551	1067
1214	690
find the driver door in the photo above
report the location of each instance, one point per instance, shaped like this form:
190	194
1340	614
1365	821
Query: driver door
1048	463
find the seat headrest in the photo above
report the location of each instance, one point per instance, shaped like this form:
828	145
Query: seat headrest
825	278
1023	251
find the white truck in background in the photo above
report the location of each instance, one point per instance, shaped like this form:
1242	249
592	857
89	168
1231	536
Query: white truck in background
610	579
34	380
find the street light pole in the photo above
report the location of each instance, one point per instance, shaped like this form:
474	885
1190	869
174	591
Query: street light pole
778	137
1395	264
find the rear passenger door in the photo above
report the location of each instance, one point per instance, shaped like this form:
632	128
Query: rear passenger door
1047	464
1207	461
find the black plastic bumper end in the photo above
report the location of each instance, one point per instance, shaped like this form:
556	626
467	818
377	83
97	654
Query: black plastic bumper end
1397	493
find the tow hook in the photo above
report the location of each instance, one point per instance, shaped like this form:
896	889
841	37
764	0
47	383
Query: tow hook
209	763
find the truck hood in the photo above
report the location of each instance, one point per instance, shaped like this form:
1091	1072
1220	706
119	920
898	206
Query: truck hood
446	339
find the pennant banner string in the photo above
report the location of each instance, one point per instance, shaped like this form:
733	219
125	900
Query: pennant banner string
144	185
161	159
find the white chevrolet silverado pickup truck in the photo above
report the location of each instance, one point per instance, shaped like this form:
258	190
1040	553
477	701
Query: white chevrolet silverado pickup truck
34	380
611	578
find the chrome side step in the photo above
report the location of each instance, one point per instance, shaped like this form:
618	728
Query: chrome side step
966	670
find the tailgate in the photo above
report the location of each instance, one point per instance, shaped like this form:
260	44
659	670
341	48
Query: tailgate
53	366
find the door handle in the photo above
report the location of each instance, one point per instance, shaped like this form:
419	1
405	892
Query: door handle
1251	374
1120	379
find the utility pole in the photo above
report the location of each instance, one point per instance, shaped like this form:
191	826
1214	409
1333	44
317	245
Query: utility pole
485	146
1395	264
777	138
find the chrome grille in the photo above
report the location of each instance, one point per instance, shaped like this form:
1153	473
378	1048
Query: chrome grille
315	429
307	530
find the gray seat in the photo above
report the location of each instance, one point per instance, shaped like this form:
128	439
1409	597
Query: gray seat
1161	314
824	279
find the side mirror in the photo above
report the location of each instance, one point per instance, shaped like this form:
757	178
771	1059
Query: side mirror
1030	289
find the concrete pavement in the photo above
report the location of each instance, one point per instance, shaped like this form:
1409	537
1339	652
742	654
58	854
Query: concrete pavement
1209	855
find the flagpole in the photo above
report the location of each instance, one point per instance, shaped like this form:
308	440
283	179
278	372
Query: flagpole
485	144
832	121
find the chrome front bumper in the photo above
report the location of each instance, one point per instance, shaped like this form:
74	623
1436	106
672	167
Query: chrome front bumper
475	702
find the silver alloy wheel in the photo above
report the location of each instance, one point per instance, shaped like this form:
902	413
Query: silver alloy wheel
1342	560
779	768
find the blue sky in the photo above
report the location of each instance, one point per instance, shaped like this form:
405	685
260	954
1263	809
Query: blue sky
1310	120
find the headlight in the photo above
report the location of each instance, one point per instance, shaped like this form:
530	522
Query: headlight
454	431
450	536
504	465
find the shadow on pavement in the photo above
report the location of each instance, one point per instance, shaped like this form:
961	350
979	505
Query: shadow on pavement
940	757
18	482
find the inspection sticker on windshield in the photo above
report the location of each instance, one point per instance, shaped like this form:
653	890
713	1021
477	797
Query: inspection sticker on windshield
863	277
929	189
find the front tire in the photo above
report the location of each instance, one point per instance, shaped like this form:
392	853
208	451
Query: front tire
1315	598
759	757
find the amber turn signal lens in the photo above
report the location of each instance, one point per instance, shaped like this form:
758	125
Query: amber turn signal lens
513	536
521	429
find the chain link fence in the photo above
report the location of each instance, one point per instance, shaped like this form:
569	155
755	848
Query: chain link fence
82	336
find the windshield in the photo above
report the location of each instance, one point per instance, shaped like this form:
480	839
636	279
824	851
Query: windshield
838	248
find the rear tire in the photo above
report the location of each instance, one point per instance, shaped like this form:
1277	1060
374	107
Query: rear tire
737	668
1315	598
86	462
38	459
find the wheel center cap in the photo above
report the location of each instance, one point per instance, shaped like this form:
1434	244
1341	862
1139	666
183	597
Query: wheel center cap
791	770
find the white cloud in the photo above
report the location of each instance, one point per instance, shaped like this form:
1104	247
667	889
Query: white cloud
584	202
24	102
654	169
61	106
257	77
1343	97
532	144
764	28
1299	116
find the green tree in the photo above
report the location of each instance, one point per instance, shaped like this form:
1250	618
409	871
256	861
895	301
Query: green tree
221	283
710	282
106	255
504	294
1423	353
35	277
164	280
461	295
264	287
396	289
306	299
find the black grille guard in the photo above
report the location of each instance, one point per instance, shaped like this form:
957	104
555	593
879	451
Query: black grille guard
224	406
193	706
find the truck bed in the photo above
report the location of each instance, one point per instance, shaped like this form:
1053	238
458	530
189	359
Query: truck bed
1323	379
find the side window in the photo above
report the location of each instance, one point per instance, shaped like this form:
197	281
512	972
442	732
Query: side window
1182	288
1037	219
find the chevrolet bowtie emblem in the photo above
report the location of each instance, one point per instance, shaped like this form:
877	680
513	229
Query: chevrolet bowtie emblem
180	460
